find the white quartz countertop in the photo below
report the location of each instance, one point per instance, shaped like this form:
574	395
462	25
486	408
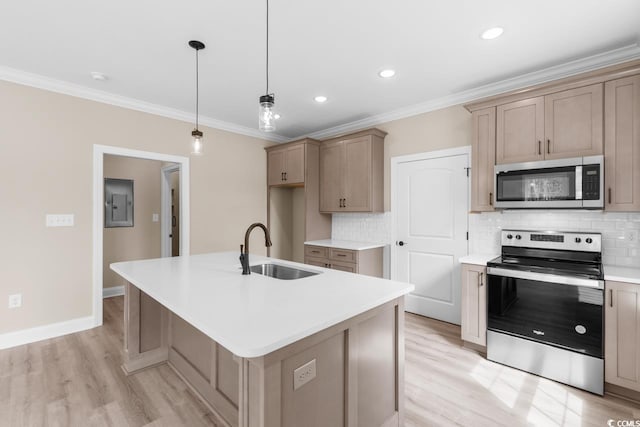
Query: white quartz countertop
477	259
346	244
255	315
622	274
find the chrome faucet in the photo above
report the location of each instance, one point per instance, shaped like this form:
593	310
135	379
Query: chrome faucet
244	249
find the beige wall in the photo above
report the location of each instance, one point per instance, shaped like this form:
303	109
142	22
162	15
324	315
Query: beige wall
436	130
46	144
142	241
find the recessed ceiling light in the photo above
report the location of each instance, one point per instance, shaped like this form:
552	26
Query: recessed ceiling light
277	116
492	33
95	75
320	99
387	74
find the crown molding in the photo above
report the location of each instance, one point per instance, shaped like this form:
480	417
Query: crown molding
612	57
54	85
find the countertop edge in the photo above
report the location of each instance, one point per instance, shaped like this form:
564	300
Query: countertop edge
477	259
346	244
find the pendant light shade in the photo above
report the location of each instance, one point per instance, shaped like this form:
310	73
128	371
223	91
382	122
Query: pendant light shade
266	114
267	120
197	147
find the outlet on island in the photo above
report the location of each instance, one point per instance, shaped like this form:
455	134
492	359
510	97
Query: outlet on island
304	374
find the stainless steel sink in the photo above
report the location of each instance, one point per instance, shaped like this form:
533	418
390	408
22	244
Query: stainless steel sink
282	272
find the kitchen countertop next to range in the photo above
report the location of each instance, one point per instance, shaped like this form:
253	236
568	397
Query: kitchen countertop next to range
346	244
622	274
477	259
254	315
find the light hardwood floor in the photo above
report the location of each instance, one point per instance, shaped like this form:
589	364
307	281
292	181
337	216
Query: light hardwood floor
76	380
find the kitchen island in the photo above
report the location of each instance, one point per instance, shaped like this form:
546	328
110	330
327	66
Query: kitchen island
324	350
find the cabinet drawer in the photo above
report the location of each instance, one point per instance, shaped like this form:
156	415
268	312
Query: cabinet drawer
344	266
318	262
316	251
342	255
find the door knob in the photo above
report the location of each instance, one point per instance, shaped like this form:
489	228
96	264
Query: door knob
400	243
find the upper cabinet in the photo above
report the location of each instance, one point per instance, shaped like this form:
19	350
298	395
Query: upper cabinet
285	165
483	156
351	173
622	144
559	125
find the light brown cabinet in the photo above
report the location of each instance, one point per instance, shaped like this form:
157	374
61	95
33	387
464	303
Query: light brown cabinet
286	166
367	261
622	144
351	173
473	321
622	335
559	125
483	156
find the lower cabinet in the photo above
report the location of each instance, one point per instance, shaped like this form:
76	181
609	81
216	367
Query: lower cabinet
622	334
367	262
473	322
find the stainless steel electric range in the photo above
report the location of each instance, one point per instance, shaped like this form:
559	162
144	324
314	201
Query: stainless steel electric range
545	306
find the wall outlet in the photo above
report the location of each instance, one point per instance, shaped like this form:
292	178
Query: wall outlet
66	220
15	300
155	217
304	374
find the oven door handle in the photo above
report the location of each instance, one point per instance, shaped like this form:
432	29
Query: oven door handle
544	277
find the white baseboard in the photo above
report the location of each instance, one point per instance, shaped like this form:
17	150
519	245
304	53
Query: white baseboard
114	291
39	333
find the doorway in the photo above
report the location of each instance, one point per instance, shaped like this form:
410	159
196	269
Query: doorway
99	153
430	204
171	208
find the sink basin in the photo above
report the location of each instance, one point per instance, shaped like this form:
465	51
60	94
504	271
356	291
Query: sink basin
282	272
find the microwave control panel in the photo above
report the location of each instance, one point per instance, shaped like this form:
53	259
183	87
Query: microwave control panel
591	182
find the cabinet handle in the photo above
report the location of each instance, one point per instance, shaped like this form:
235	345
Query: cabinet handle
343	255
344	203
315	252
548	146
610	297
539	147
340	202
480	279
281	176
285	176
609	195
490	199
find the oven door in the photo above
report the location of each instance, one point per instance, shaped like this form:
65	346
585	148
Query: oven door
561	311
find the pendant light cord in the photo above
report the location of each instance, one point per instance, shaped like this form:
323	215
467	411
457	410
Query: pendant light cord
197	87
267	67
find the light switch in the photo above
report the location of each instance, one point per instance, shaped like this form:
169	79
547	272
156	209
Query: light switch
155	217
66	220
15	300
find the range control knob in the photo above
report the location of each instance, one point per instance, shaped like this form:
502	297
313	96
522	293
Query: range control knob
509	236
589	240
578	240
518	237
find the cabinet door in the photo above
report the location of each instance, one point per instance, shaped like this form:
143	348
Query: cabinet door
318	262
483	155
275	167
573	123
473	321
331	160
294	164
520	131
357	175
622	144
622	334
344	266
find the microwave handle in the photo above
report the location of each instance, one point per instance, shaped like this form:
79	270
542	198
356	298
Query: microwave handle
578	182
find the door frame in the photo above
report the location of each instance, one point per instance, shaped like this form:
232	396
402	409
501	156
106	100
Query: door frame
165	209
395	163
99	151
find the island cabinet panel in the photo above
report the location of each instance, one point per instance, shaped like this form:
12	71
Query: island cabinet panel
192	345
574	122
622	144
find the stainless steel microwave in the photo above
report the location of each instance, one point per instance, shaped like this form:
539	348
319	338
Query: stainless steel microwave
575	183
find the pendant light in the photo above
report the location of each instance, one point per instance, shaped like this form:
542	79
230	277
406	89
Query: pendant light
266	115
196	135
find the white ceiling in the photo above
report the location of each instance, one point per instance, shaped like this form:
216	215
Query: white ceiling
329	47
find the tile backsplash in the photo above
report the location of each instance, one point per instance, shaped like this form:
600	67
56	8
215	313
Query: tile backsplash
620	231
620	245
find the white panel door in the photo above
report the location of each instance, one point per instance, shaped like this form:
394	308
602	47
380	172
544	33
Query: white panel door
431	229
